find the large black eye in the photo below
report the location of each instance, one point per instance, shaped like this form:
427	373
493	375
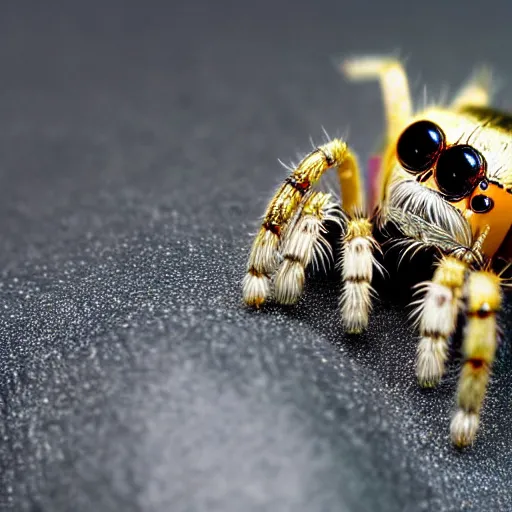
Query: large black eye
458	171
419	146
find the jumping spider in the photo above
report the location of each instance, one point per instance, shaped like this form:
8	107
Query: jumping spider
444	180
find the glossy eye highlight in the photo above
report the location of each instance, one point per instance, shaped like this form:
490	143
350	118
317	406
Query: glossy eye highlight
458	171
419	146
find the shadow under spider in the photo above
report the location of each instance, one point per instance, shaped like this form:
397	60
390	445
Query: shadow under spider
389	344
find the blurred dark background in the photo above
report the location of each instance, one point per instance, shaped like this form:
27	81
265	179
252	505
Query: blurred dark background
138	147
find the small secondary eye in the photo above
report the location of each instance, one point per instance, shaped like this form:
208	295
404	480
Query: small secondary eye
481	203
419	146
458	171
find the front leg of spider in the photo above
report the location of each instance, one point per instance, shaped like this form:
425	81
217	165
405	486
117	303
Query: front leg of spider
303	243
287	225
292	237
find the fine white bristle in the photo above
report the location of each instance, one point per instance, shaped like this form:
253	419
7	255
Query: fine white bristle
436	316
299	244
256	289
439	311
302	244
355	305
431	357
463	428
358	259
358	262
263	256
289	282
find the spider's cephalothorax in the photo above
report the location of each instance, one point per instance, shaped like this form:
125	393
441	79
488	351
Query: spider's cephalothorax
445	182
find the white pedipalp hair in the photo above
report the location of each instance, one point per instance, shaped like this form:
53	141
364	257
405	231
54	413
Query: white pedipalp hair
424	215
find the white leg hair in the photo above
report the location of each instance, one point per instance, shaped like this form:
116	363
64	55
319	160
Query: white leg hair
283	210
437	319
256	285
304	243
483	299
357	262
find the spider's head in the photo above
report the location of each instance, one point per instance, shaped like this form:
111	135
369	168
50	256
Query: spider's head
442	169
452	170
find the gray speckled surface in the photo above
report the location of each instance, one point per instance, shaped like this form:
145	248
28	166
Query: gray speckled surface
138	146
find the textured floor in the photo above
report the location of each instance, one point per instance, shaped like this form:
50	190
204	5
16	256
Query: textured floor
138	146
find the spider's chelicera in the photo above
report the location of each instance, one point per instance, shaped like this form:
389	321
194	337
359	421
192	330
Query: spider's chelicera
445	182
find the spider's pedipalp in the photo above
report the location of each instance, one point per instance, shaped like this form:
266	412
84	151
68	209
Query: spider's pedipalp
483	298
436	316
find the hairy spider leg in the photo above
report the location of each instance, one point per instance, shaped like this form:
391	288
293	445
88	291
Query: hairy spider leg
483	301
